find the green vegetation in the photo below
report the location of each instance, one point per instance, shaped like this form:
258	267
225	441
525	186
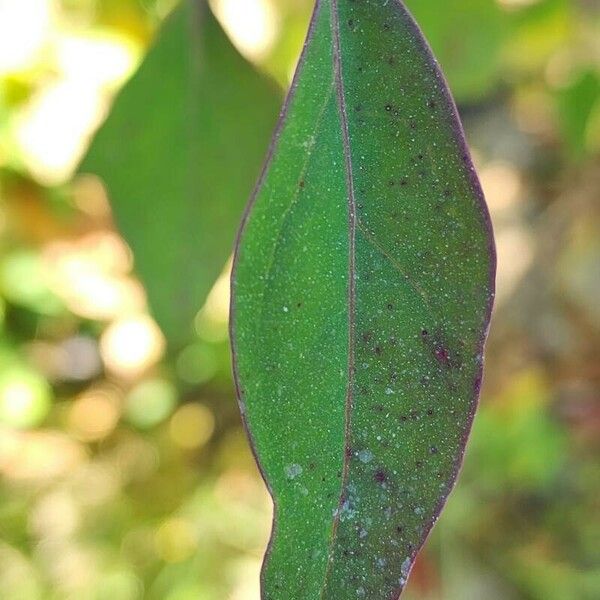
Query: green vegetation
124	471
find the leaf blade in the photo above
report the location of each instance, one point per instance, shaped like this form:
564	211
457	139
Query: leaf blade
383	368
194	109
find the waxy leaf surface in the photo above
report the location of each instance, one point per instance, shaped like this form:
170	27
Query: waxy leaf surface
179	154
362	291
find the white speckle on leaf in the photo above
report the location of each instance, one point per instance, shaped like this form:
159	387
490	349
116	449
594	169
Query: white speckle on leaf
365	456
405	568
293	471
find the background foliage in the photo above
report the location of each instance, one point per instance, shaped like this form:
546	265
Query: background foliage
124	470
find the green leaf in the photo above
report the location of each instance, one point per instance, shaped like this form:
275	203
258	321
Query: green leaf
362	291
179	154
576	105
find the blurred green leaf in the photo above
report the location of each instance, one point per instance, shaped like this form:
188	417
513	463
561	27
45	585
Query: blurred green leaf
179	154
25	396
22	282
516	438
576	104
538	30
150	402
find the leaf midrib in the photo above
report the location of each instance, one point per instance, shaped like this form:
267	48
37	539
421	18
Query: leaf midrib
338	82
353	225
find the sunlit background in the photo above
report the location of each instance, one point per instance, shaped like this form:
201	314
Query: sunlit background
125	473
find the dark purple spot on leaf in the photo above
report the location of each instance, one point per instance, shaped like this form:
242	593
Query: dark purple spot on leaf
380	476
